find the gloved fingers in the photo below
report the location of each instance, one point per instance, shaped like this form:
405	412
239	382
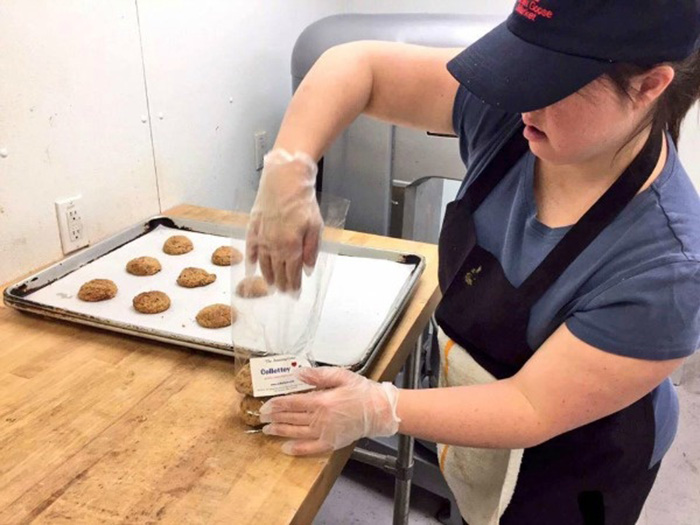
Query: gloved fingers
310	246
293	268
251	258
266	267
285	209
251	246
326	376
291	418
280	273
306	447
250	265
291	431
291	403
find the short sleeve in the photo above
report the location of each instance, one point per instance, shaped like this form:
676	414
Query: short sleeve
481	128
652	315
458	110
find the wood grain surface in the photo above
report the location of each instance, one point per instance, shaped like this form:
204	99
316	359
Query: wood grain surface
97	427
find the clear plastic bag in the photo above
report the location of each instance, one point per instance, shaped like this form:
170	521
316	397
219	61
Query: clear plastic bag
276	330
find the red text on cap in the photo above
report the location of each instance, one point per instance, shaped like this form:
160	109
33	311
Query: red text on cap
531	9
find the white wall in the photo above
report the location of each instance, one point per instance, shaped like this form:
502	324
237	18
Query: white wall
71	98
229	78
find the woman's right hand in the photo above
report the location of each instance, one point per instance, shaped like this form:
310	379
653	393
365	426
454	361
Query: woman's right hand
285	222
399	83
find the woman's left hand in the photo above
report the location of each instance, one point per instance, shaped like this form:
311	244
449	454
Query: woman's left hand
345	408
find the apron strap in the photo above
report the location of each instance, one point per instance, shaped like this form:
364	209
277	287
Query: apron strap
602	213
511	152
486	179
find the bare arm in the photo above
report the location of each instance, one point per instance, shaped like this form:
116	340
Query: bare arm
400	83
565	385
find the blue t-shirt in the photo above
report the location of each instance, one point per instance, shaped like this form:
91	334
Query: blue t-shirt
634	291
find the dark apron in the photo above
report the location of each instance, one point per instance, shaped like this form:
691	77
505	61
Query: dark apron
593	475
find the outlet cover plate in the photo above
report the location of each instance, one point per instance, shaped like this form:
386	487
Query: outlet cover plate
71	224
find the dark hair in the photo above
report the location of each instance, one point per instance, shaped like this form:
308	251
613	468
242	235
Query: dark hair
674	103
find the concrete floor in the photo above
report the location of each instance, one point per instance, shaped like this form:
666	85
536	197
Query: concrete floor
364	494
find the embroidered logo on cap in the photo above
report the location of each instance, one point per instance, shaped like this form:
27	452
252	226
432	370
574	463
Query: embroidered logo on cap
531	9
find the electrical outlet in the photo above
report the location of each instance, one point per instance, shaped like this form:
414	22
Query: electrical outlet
260	148
71	224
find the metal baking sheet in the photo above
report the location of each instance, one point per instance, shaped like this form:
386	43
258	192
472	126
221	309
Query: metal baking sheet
367	291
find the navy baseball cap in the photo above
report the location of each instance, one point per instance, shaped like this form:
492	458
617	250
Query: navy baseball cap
548	49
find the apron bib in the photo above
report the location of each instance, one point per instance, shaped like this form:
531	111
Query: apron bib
593	475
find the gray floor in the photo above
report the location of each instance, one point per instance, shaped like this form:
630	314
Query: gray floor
364	495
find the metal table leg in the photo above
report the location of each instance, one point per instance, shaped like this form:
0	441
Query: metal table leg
404	461
402	465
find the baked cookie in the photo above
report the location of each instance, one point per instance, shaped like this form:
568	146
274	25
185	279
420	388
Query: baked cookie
250	407
243	380
253	286
97	290
226	256
143	266
216	316
194	277
177	245
151	302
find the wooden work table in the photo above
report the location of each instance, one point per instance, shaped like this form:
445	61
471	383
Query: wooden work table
97	427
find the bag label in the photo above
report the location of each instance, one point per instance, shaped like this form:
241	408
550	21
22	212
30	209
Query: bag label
274	375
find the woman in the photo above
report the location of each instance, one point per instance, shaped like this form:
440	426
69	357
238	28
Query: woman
569	262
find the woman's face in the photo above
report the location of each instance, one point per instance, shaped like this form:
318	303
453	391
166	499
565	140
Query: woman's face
589	125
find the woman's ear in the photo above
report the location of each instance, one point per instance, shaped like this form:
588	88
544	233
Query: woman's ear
649	86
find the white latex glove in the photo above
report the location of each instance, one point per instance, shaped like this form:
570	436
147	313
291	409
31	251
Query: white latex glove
285	222
345	408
